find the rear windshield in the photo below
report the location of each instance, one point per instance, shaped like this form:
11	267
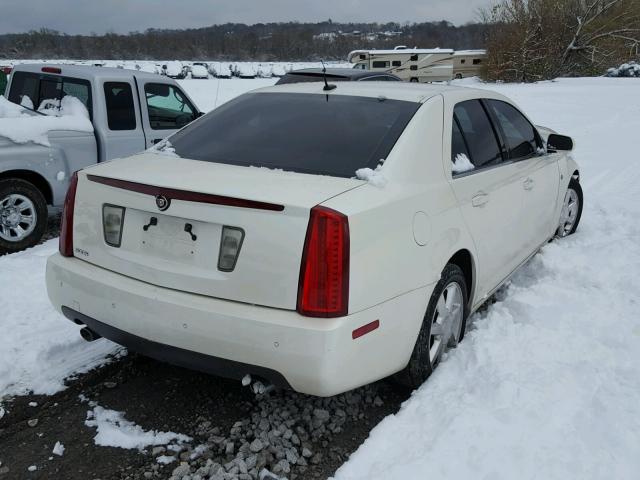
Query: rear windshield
307	133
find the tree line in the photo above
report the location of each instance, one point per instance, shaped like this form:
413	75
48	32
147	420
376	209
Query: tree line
530	40
290	41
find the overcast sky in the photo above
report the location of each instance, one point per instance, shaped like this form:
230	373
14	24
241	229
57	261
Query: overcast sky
122	16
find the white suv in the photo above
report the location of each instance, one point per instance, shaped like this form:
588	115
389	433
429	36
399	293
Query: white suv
248	244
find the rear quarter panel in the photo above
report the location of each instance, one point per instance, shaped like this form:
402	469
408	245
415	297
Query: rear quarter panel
386	260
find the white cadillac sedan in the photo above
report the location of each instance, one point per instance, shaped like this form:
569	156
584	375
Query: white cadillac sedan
248	244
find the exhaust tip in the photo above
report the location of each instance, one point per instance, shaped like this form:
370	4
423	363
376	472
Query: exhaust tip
89	335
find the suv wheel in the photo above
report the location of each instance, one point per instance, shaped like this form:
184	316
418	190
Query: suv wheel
443	327
23	215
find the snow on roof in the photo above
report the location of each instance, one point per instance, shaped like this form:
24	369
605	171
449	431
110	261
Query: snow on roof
458	53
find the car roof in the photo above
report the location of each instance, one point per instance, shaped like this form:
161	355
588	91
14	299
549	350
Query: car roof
86	71
410	92
352	73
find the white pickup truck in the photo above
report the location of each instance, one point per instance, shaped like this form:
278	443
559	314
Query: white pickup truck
57	119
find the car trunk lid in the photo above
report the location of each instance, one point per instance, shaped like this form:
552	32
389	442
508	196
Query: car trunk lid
180	248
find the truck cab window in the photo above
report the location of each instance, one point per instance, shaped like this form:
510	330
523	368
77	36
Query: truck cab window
168	107
121	114
44	92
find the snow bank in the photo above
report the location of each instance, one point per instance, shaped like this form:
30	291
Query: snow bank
547	382
114	431
22	126
39	347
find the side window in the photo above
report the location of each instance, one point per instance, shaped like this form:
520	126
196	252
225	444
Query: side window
478	133
521	137
477	61
460	158
413	67
168	107
396	63
120	110
380	64
414	58
78	89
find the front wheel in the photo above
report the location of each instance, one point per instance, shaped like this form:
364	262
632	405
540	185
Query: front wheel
443	327
23	215
571	210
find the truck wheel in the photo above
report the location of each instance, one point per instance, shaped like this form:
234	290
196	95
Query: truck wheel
23	215
414	80
442	328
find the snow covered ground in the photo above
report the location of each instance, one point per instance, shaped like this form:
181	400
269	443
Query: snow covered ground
547	382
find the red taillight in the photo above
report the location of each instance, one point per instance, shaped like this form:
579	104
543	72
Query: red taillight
66	230
51	70
324	274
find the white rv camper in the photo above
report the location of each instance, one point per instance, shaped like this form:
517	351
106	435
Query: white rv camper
410	64
421	65
468	63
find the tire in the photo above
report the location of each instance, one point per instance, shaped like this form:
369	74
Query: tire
458	76
413	80
421	364
20	197
570	215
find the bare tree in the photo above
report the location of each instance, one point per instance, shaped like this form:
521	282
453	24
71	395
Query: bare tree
530	40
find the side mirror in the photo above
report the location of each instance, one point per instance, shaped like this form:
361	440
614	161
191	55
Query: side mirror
557	142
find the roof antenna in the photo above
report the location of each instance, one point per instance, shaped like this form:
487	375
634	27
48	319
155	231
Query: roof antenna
327	86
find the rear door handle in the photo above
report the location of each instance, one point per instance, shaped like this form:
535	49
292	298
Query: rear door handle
528	184
479	199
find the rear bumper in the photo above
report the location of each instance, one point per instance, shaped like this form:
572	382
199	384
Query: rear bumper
311	355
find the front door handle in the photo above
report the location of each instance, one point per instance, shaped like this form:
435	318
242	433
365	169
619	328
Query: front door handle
479	199
528	184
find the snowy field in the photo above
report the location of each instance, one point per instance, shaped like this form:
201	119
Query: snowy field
547	382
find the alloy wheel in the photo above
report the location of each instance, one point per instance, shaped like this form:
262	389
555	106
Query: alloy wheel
569	213
18	217
446	322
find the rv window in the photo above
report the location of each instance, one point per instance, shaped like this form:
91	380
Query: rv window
462	61
396	63
477	61
380	64
413	67
414	58
363	57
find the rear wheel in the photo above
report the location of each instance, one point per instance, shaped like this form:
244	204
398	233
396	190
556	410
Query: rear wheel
571	210
443	327
414	80
23	215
